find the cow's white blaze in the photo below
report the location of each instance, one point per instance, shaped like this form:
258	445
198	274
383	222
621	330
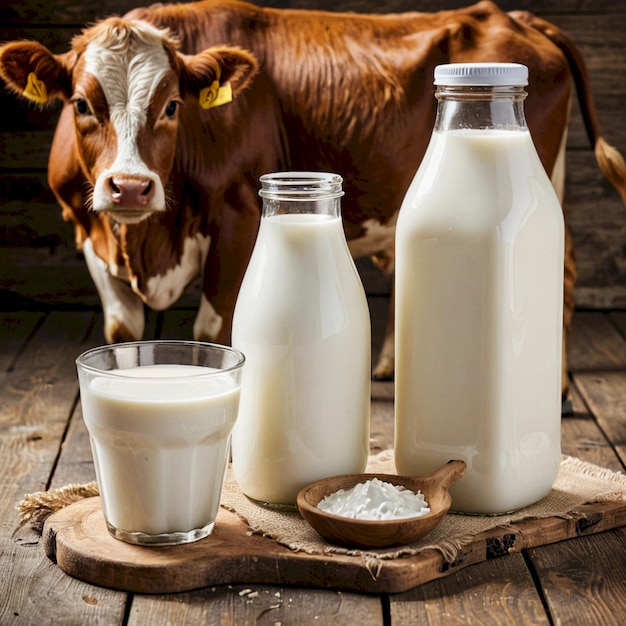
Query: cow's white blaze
128	71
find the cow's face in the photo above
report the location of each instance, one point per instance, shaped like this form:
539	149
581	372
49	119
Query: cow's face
125	96
126	82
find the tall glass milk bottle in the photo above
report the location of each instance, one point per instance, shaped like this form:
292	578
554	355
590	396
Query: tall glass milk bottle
479	288
302	321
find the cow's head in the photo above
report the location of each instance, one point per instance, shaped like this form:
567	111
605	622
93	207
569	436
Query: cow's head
126	81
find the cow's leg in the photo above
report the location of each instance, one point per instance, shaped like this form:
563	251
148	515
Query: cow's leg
569	274
385	365
124	317
569	280
379	238
208	324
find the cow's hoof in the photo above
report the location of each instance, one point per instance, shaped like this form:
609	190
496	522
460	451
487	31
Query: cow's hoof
383	378
384	370
566	408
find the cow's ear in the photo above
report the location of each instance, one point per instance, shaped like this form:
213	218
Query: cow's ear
31	70
217	75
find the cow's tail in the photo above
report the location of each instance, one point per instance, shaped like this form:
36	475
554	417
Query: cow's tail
609	159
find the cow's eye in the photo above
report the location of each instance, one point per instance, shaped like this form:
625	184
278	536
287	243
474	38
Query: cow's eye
170	109
81	106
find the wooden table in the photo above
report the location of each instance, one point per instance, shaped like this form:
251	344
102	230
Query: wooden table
43	444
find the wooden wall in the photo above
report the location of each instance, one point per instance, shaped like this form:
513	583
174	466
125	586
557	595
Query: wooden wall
39	267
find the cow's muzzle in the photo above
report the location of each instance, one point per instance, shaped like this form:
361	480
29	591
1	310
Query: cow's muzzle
131	193
131	198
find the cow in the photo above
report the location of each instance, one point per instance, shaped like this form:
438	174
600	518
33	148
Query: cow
172	112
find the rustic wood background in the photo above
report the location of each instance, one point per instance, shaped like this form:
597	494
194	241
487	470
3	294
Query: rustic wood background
39	267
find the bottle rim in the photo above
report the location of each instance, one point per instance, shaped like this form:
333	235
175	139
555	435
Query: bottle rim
481	74
296	185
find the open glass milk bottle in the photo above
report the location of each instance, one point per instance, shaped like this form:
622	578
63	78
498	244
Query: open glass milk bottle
479	298
302	321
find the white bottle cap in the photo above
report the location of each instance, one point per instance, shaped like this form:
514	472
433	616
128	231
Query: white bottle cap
481	74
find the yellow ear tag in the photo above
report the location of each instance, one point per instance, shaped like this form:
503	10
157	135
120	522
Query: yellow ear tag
216	95
36	89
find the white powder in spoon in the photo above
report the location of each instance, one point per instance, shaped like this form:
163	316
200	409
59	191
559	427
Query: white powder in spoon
375	500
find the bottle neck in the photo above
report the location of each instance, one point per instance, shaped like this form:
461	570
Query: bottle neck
465	107
313	193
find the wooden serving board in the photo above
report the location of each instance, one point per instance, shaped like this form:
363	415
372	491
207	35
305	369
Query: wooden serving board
76	539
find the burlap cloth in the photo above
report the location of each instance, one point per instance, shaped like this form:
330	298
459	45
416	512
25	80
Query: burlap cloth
577	483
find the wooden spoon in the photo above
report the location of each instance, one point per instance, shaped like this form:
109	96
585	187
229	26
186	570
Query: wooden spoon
374	533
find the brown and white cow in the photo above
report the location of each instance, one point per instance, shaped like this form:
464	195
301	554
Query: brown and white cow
174	111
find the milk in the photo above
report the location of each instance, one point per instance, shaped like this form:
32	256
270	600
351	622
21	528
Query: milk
160	438
479	278
302	322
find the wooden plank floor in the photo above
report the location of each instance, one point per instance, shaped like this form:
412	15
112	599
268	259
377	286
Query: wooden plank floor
43	443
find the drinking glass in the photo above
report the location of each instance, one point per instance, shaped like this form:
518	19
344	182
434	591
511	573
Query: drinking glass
160	416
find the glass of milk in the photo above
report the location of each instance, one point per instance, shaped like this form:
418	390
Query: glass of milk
160	416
